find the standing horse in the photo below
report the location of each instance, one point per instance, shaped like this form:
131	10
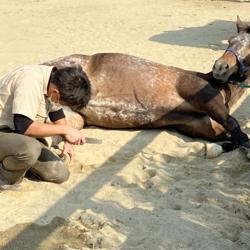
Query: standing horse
130	92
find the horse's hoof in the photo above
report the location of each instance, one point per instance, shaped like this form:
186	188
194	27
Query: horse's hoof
246	144
213	150
246	150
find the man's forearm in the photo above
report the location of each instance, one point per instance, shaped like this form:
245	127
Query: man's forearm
38	129
61	122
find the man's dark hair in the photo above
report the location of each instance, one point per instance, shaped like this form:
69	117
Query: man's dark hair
74	86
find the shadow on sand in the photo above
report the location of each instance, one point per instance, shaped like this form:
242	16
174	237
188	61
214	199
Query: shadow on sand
221	192
212	35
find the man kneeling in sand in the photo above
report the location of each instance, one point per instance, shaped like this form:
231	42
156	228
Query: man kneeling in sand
28	96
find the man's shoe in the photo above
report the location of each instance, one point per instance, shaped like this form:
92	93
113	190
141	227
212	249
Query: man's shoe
4	184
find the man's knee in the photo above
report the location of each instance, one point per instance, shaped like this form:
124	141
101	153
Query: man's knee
29	152
23	155
51	171
61	175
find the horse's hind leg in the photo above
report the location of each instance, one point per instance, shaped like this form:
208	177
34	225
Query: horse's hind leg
73	119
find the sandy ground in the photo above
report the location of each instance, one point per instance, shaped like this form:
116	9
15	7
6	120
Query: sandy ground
138	189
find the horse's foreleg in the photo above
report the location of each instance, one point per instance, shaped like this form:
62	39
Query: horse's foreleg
208	129
218	112
209	100
238	138
205	128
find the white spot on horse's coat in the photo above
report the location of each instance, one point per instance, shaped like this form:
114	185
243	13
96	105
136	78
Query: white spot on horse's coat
123	111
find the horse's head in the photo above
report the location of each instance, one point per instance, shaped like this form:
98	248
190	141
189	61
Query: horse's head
236	59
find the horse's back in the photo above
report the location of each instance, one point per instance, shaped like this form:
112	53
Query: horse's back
127	91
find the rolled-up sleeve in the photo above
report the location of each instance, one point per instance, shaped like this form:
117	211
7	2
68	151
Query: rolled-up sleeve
56	115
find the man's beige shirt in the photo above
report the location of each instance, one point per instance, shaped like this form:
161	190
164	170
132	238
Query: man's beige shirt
23	91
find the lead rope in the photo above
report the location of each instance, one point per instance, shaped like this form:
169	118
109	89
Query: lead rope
241	85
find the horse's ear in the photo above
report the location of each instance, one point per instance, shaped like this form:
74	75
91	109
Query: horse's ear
239	25
242	26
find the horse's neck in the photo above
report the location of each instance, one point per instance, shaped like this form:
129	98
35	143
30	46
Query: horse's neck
232	94
205	76
239	91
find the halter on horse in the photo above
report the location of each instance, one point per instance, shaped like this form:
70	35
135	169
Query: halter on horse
235	62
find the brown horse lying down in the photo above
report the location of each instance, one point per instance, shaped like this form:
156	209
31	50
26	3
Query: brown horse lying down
130	92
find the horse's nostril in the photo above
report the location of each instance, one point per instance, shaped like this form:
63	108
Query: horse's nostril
221	66
217	65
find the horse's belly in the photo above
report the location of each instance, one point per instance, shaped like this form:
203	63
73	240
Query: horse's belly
121	116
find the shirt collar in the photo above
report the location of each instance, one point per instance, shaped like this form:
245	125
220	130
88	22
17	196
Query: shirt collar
46	76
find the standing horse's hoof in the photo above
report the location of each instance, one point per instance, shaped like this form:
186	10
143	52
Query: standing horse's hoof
213	150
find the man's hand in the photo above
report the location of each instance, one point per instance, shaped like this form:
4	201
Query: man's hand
74	136
68	149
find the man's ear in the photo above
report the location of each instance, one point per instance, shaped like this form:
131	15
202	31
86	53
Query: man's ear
56	91
53	88
53	91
